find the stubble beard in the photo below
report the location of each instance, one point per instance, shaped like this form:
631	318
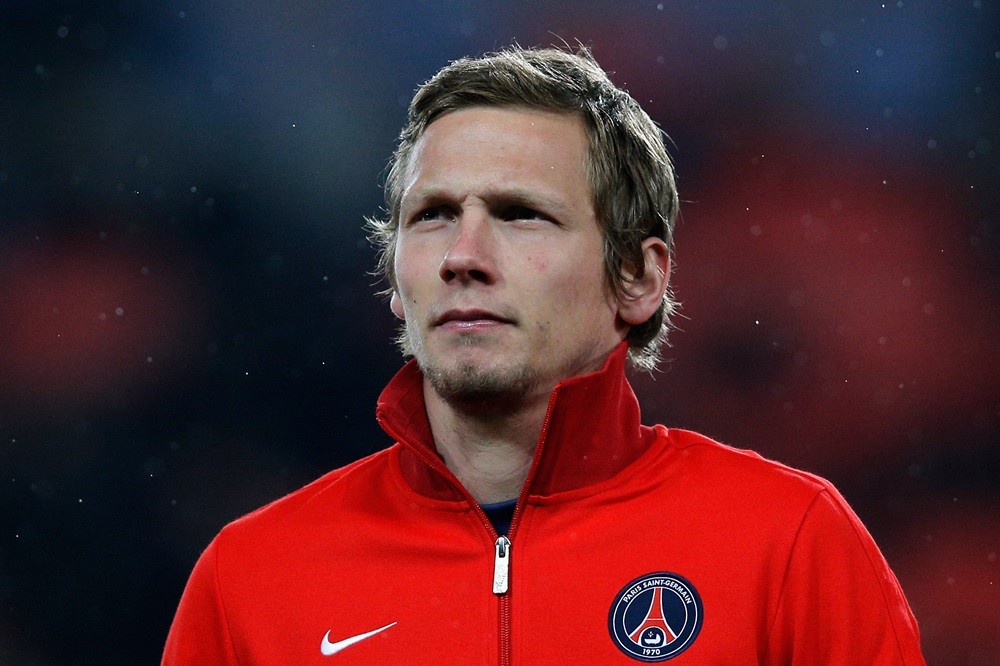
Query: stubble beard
471	387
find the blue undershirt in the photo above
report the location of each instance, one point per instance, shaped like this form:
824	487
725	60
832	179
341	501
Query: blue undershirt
500	514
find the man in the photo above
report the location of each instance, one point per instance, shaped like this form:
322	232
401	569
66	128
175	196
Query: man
524	515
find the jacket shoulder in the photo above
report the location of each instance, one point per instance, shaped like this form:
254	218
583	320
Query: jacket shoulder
727	468
314	502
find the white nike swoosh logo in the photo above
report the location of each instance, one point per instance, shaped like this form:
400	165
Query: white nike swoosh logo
328	648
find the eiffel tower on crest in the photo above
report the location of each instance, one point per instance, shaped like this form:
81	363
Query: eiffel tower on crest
654	631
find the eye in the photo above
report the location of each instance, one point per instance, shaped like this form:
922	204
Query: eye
432	214
522	213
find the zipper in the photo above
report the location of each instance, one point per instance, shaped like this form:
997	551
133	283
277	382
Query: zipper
503	544
505	630
501	585
501	565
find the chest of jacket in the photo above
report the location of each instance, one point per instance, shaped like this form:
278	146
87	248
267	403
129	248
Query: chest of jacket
627	573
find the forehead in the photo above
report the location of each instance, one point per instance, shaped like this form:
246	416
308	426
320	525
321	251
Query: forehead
504	146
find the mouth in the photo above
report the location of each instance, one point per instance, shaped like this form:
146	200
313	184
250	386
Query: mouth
470	320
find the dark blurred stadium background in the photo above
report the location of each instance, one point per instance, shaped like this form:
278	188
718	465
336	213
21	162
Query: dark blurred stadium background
188	327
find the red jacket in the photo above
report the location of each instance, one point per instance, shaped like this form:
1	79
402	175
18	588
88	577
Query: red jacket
630	544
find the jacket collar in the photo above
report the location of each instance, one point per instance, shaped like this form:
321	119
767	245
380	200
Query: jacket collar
591	432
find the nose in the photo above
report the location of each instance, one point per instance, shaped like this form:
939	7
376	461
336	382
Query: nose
471	256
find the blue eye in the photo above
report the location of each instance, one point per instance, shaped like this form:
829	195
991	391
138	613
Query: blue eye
522	213
429	214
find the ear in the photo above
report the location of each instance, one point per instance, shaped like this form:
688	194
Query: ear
643	295
396	305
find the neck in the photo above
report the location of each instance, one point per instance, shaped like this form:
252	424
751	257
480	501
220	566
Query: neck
489	451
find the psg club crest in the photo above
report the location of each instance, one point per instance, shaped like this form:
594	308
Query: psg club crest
656	617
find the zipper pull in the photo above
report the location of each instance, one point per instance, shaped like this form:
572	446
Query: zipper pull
501	566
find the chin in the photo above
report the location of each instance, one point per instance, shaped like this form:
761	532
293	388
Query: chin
467	382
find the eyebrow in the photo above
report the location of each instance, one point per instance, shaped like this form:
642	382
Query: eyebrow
513	195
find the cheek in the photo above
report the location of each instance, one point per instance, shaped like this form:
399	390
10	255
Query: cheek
541	264
408	279
580	298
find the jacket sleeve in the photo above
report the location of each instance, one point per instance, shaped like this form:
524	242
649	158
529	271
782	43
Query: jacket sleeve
840	603
200	631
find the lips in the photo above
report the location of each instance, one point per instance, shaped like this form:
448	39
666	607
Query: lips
461	318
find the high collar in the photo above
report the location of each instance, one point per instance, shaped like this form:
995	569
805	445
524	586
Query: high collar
590	433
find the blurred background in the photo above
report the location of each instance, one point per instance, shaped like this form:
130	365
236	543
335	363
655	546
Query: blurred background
188	325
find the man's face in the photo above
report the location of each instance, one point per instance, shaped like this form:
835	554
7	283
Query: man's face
499	257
